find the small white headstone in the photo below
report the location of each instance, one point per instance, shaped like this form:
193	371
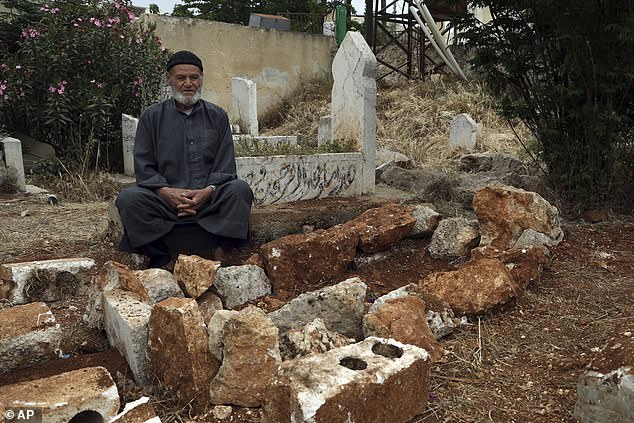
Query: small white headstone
324	130
13	158
128	132
245	104
463	132
353	104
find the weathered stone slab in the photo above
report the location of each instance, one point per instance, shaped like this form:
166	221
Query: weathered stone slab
339	306
28	334
404	320
178	353
244	107
158	284
238	285
477	287
605	392
382	227
373	381
454	237
215	328
250	358
13	159
111	275
505	213
283	179
296	263
427	220
62	397
128	133
353	103
314	338
16	278
195	274
126	319
139	411
463	132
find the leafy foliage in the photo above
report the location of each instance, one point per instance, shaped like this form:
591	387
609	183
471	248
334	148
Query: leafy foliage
566	69
238	11
68	71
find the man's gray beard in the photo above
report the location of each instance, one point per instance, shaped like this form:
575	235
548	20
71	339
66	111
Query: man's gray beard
187	101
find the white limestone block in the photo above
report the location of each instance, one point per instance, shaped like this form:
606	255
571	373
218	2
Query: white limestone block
126	320
324	131
239	284
14	276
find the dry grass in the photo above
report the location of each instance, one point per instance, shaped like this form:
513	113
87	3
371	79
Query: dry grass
413	118
78	187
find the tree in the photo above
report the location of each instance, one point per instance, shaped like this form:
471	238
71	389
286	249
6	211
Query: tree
567	70
70	68
238	11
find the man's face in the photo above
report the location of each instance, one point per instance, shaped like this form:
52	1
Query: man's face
186	82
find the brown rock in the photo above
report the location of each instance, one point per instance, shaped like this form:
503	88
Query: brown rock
382	227
195	274
595	216
255	260
525	264
178	352
405	320
251	357
300	263
505	212
475	288
28	334
113	273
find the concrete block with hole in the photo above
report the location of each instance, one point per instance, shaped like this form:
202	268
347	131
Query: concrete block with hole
84	395
45	280
28	334
374	381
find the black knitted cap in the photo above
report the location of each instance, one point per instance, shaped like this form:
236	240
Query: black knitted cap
183	58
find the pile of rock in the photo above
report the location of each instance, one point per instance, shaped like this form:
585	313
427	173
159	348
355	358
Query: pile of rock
325	355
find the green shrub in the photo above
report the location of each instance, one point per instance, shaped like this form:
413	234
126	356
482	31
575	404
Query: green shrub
71	71
565	69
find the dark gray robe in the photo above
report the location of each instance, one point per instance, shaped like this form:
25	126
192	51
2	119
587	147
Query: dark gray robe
174	149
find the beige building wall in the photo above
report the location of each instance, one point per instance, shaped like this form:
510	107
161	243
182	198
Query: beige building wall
277	61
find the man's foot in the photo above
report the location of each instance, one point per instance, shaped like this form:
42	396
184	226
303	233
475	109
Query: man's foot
222	256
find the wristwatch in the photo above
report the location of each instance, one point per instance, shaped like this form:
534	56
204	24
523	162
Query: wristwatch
213	187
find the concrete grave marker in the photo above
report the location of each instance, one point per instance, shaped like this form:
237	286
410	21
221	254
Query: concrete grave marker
324	131
12	148
245	104
463	132
128	132
353	104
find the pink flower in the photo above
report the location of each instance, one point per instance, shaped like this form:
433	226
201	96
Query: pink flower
52	89
6	97
60	89
3	66
18	66
55	10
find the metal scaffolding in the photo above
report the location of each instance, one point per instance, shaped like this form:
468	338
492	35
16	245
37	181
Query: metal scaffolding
396	41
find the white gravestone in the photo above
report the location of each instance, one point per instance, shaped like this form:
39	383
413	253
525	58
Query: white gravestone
245	104
128	132
353	104
13	158
324	131
463	132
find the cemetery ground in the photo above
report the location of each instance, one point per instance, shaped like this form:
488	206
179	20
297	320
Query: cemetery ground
520	363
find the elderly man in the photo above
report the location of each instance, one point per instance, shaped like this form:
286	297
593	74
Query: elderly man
188	198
